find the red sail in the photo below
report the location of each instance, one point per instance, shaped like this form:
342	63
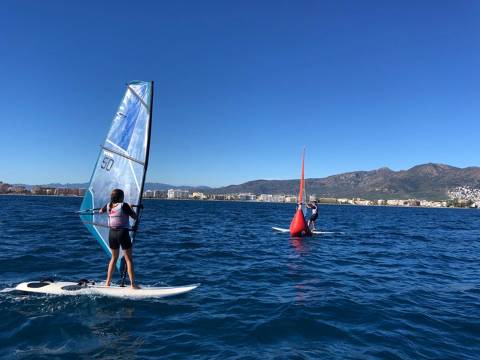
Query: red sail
298	226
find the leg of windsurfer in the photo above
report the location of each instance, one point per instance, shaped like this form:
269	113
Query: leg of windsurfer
129	261
111	266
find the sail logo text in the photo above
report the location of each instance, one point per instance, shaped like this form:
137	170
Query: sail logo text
107	162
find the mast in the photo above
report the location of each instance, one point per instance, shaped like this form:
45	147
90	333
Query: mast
302	179
145	167
147	155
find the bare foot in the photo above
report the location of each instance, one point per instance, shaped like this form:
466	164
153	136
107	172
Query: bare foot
107	285
134	286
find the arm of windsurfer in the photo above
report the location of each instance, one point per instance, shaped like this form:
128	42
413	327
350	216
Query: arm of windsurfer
128	210
103	209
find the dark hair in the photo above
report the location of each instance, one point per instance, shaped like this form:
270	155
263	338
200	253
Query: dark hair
116	197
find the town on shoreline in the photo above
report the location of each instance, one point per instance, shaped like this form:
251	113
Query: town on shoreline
461	197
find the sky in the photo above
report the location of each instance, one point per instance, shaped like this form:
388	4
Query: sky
240	86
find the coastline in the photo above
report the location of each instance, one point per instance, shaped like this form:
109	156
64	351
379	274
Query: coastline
42	195
260	202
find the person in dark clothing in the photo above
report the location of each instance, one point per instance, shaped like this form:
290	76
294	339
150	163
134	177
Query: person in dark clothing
313	218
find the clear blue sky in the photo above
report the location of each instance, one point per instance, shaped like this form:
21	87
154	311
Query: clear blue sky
241	86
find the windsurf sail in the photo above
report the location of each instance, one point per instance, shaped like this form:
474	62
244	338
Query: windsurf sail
122	162
302	196
298	226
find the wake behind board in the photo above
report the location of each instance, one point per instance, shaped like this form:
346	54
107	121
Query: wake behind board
316	232
73	288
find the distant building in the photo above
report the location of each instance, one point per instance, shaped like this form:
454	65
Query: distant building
218	197
177	194
160	194
19	189
265	198
4	188
363	202
327	200
290	199
247	197
413	202
38	190
61	191
199	196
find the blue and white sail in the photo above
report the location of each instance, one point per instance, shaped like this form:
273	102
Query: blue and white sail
122	162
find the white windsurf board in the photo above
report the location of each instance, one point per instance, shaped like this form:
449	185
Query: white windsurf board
315	232
73	288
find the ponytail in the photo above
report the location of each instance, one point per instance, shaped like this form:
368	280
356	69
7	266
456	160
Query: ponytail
117	196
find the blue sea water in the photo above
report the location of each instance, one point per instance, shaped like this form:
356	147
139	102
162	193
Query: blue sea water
398	283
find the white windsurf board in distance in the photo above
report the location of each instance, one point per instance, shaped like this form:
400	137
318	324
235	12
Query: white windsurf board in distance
316	232
73	288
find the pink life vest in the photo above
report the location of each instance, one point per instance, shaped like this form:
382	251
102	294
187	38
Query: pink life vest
117	218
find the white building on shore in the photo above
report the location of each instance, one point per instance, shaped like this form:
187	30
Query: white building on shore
247	197
177	194
198	196
265	198
279	198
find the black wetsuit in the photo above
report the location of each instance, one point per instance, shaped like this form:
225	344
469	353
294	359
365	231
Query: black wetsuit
314	215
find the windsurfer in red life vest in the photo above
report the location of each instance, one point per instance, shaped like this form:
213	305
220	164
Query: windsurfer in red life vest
313	206
119	214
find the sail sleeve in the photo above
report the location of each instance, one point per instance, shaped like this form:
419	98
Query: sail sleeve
121	163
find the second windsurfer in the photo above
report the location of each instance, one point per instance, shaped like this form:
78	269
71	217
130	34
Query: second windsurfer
313	218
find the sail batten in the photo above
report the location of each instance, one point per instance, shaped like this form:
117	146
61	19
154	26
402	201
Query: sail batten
122	161
138	97
124	155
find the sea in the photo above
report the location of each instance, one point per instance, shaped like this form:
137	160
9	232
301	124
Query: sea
389	283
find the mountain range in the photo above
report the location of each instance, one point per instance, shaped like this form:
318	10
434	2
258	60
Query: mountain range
428	181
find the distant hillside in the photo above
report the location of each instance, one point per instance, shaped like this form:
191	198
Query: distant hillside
428	181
